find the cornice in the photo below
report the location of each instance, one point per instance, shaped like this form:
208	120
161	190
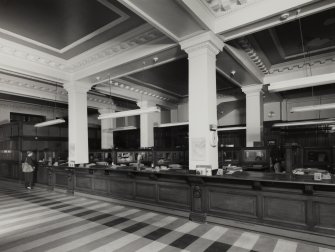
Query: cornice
31	55
251	52
29	88
137	37
137	90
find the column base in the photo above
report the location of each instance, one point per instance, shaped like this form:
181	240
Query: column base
198	217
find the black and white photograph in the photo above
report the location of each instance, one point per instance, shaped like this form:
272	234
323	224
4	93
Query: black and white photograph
167	125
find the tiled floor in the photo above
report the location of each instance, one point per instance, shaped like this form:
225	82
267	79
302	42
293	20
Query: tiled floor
38	220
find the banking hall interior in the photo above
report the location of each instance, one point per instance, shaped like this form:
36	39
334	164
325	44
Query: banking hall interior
167	125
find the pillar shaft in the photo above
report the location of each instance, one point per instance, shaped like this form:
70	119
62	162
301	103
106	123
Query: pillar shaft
254	114
147	122
202	52
107	125
78	126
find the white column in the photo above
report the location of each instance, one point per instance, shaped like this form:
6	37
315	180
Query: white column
174	115
254	113
147	122
107	138
202	51
78	126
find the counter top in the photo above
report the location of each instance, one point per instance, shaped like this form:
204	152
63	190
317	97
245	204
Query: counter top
245	175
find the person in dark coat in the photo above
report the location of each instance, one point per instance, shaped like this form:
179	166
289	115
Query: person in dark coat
28	175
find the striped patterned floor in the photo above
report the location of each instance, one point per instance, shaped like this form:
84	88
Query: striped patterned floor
38	220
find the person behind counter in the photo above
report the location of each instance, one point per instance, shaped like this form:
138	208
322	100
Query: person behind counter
28	168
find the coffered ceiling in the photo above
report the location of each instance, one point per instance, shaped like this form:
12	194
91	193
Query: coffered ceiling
64	28
309	36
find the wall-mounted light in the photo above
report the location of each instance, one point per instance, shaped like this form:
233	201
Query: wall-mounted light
271	114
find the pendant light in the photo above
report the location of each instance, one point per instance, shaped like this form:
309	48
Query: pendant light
54	121
309	107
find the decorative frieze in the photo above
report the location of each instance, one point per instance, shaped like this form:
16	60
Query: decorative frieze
222	7
300	65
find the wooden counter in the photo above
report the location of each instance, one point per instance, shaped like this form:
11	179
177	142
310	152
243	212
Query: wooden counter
277	200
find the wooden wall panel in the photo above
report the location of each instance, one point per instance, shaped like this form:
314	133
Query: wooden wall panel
61	179
325	213
122	188
226	202
101	185
174	194
290	211
145	191
83	182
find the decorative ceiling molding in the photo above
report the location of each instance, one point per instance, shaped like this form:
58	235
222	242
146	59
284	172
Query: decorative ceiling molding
222	7
248	48
127	86
140	36
27	54
28	88
154	87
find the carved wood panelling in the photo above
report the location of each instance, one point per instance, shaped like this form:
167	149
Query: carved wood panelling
293	213
122	188
145	191
83	182
101	185
173	194
237	203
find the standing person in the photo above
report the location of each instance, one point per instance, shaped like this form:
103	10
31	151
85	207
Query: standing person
28	170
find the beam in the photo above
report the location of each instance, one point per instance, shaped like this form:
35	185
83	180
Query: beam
305	82
245	61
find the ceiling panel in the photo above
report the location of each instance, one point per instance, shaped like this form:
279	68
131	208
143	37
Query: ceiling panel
64	28
313	35
173	77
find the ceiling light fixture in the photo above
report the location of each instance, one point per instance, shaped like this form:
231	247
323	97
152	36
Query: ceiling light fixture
288	124
232	128
49	123
54	121
163	125
130	113
313	107
120	129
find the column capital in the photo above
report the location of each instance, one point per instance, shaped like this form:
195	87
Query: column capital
146	103
252	89
77	87
107	110
204	40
